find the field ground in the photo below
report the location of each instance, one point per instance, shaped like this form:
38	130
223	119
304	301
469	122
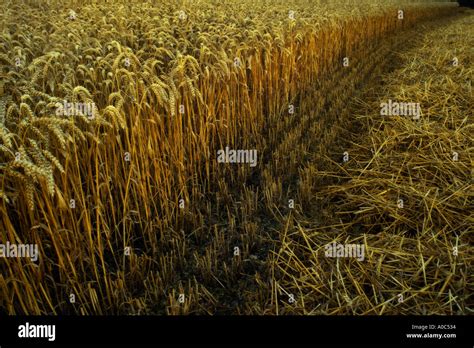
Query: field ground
411	249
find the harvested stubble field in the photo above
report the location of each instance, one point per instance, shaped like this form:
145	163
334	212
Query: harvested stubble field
132	211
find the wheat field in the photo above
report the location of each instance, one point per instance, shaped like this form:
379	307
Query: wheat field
112	116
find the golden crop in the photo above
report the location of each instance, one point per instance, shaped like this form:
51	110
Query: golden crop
129	205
